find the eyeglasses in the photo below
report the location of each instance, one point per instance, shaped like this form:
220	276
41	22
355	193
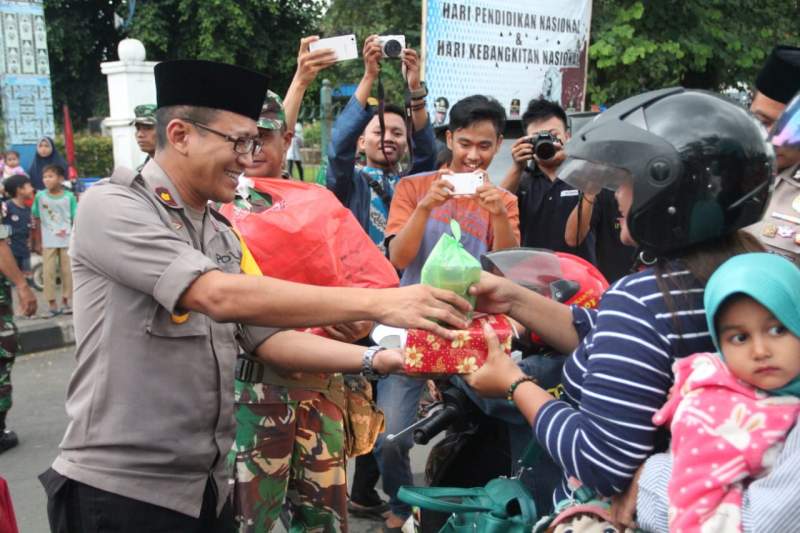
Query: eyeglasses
241	145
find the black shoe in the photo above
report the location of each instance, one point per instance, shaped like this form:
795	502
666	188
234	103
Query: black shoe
8	439
368	511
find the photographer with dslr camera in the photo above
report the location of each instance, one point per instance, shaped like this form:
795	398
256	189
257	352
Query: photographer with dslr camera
545	202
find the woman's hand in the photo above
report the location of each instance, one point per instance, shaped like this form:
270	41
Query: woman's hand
495	294
499	371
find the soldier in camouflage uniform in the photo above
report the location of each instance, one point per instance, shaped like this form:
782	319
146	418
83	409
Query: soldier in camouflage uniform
145	124
290	441
8	331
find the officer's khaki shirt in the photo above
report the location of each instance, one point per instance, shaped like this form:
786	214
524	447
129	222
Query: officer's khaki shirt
150	402
785	200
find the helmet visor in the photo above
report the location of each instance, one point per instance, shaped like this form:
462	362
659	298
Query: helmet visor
786	132
590	176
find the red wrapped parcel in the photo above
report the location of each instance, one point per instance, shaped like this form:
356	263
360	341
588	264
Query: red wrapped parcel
426	353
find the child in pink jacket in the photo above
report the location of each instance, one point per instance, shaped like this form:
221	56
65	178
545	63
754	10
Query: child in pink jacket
730	412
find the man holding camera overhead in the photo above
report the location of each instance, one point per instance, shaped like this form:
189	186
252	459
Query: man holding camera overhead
367	190
545	202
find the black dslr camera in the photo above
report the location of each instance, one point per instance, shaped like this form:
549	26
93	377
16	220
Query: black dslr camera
544	145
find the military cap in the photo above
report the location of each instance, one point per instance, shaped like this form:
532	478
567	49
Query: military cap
272	116
195	82
145	114
779	78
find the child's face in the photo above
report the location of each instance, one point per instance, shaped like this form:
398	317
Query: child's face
12	160
26	192
758	349
52	181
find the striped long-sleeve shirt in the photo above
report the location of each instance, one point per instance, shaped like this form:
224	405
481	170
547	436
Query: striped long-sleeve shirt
771	503
619	376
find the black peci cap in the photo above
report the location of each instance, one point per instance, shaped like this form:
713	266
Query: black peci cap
195	82
779	78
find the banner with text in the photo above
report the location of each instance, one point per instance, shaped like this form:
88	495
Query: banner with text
513	50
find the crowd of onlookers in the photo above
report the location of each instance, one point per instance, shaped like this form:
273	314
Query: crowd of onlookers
38	208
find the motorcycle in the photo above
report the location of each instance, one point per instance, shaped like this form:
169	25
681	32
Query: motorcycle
474	425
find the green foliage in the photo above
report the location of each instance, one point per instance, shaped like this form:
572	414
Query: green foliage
260	34
263	35
364	18
94	154
312	134
80	35
649	44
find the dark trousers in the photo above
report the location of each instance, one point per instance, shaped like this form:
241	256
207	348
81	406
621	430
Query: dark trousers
299	168
74	507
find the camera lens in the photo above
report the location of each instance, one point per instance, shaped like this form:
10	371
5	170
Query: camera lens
392	48
544	149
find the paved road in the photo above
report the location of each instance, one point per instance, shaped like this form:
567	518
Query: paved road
38	417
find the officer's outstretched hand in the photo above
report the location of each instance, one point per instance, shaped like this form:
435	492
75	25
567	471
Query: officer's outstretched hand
27	300
419	306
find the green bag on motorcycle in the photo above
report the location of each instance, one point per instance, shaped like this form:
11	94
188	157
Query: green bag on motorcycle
502	505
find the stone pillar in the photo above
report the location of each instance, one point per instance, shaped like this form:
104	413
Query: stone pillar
130	83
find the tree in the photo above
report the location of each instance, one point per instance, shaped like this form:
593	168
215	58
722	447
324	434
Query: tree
649	44
260	34
364	18
80	35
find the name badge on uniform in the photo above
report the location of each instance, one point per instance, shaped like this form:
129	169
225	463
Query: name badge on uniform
571	192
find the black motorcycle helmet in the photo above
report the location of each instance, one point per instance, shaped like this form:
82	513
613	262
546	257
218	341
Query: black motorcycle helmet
700	165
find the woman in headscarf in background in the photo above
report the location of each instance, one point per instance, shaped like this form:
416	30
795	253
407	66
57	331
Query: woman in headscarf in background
46	154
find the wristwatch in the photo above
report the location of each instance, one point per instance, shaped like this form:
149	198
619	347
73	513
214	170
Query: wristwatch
419	94
367	370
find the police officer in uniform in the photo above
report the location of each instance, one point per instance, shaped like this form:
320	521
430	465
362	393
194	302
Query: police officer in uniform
776	84
145	124
159	294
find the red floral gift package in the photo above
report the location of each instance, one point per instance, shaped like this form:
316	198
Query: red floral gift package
427	353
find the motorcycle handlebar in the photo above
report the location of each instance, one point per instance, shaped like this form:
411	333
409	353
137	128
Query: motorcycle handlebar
436	423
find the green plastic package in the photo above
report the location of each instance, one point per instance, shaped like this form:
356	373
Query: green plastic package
450	266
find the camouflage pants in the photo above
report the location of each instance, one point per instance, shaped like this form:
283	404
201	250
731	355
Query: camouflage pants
294	446
8	344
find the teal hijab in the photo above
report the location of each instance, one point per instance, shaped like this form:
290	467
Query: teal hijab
769	279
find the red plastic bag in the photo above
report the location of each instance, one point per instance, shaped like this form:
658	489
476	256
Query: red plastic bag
308	236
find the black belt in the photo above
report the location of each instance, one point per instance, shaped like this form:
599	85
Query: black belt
249	370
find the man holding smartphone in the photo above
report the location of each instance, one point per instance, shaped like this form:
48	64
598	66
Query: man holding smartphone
422	208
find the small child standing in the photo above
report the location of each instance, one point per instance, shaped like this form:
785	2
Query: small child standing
729	415
54	211
17	216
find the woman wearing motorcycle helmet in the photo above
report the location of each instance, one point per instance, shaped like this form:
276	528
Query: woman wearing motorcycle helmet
690	169
771	502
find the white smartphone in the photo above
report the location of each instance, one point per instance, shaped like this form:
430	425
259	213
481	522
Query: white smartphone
345	46
464	183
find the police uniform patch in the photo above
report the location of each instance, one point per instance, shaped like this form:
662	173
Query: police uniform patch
179	319
166	197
